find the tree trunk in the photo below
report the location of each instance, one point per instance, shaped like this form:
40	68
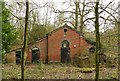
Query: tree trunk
118	23
76	14
119	49
24	50
97	41
81	18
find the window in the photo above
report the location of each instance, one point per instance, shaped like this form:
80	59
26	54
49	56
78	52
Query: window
18	56
92	50
65	30
35	54
65	44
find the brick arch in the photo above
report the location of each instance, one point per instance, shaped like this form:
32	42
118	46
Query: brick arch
37	47
65	51
65	42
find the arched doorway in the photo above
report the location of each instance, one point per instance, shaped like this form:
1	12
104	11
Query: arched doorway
35	54
65	51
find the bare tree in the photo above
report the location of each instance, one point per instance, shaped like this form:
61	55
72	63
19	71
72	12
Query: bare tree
97	40
119	41
81	18
79	13
24	53
76	13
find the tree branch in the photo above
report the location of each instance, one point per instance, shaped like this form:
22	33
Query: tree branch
58	11
106	19
16	16
110	14
89	19
70	23
106	7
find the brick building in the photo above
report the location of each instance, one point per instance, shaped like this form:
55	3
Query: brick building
59	45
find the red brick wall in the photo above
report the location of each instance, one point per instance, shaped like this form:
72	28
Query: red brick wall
54	45
84	44
55	39
41	44
10	57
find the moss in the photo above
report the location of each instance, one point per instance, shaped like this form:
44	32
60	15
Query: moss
87	70
90	41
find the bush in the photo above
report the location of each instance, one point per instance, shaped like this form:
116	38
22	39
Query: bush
41	65
87	70
110	62
84	58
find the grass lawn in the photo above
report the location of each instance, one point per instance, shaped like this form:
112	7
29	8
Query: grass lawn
55	71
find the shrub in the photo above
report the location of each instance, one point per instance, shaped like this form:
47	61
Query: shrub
41	65
87	70
84	58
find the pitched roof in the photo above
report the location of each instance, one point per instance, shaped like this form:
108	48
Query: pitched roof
55	31
86	39
64	27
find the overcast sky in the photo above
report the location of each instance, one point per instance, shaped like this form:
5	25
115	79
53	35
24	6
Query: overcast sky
59	5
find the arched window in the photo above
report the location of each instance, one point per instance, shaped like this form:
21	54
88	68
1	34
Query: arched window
65	44
35	54
92	50
18	55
